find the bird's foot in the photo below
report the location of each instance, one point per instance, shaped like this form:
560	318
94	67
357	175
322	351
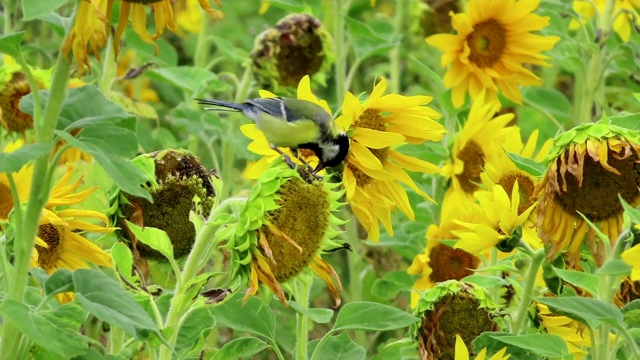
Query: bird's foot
286	157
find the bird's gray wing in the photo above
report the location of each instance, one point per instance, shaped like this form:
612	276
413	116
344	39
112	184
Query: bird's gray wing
274	107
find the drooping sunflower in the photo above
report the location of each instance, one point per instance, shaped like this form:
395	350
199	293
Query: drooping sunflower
592	165
60	243
624	12
481	141
260	144
22	179
452	309
163	15
281	229
373	168
462	353
440	262
90	31
491	47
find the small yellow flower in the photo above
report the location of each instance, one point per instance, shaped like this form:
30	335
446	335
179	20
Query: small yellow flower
374	169
491	47
624	12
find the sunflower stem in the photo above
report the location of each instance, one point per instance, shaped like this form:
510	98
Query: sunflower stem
179	302
108	69
527	292
201	55
38	196
355	271
302	289
9	9
340	10
399	19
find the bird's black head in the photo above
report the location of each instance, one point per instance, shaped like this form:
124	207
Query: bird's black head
335	151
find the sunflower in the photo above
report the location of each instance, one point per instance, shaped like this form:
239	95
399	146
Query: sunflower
260	145
22	179
481	141
452	309
572	332
440	262
592	165
13	86
624	12
89	32
163	11
496	217
462	353
631	256
491	47
374	169
267	246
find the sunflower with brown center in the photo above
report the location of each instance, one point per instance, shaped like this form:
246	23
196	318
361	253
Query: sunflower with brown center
296	46
176	178
480	141
491	47
281	229
592	166
452	309
60	242
13	86
374	169
440	262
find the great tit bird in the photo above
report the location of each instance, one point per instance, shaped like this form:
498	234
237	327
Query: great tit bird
294	123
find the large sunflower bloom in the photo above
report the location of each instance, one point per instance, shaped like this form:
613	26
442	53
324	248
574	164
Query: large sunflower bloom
22	180
492	44
592	166
480	141
624	13
281	229
439	262
89	32
260	145
374	169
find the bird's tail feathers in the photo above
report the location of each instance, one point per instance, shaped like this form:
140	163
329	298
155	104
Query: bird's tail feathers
224	104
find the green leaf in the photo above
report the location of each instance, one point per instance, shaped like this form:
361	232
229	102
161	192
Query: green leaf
374	38
391	284
60	281
188	78
634	214
103	297
33	9
195	327
157	239
124	260
321	316
10	44
634	305
366	315
60	24
337	348
14	161
547	345
586	310
627	121
588	282
614	267
54	330
253	317
550	101
529	165
240	348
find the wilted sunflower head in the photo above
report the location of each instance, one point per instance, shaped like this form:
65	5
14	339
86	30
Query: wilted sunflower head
281	229
452	308
592	166
176	179
13	86
296	46
435	16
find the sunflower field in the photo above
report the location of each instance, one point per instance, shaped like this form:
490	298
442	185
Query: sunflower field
324	180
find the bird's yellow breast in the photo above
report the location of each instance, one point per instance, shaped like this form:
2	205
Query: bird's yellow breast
288	134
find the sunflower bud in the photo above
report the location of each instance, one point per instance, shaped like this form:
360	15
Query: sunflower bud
452	308
296	46
176	179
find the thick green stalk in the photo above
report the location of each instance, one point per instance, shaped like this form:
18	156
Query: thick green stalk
302	289
38	196
109	69
116	340
339	13
527	292
399	20
179	303
9	9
